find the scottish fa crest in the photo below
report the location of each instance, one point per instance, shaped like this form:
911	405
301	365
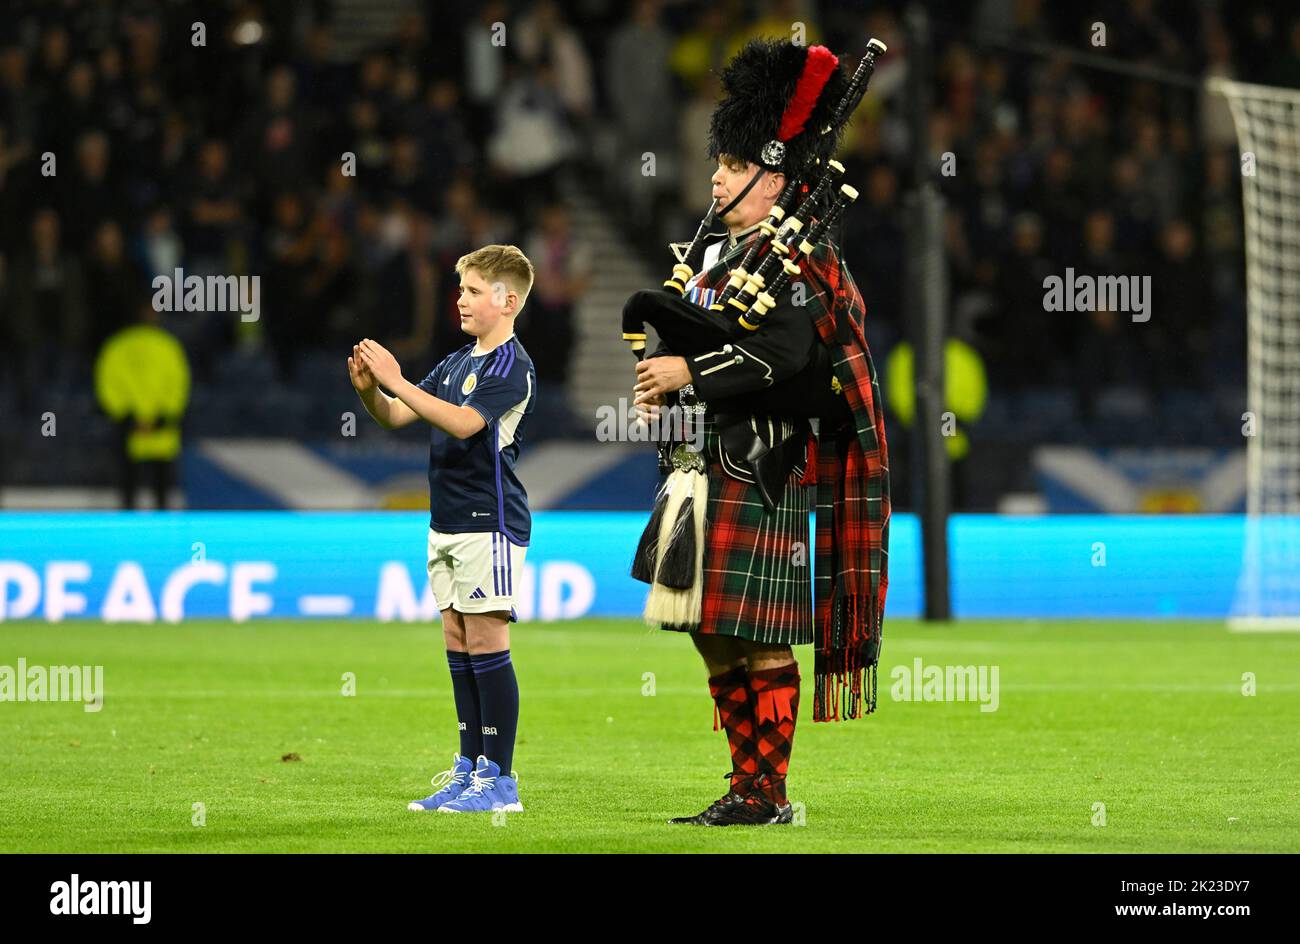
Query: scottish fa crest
470	382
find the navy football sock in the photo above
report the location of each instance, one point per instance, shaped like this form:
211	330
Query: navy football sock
498	699
467	712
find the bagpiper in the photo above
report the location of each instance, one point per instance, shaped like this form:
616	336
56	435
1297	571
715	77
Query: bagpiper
763	354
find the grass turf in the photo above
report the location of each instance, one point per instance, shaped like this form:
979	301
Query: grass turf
1146	718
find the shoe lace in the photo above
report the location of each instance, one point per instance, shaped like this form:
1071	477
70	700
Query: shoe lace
737	790
753	787
478	784
766	785
447	778
742	779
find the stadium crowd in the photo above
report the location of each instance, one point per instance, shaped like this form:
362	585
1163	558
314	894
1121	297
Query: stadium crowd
228	157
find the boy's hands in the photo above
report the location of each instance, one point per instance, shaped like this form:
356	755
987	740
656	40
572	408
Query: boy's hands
361	376
380	363
371	365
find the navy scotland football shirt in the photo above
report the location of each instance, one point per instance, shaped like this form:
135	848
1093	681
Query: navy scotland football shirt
472	482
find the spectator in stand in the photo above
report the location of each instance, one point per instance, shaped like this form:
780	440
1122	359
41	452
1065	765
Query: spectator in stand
51	63
444	142
702	51
695	188
562	267
276	141
330	287
406	109
78	108
214	211
532	142
321	83
483	50
1059	201
1023	333
544	39
290	252
1100	348
16	167
115	285
407	181
1177	338
367	142
90	195
639	86
48	313
874	240
159	250
413	49
463	126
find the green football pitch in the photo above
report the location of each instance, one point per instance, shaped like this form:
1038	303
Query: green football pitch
1107	737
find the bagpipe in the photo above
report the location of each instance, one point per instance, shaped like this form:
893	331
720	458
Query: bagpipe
669	554
743	306
752	290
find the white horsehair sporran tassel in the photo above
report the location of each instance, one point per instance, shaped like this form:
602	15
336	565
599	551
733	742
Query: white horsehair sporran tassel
680	544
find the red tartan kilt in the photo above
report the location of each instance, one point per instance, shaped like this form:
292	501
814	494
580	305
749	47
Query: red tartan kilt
757	566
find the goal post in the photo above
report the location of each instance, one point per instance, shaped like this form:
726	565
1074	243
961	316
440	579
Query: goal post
1267	121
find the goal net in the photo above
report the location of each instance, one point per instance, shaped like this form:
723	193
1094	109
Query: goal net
1267	120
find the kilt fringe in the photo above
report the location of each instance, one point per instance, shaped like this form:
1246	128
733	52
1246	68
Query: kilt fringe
844	697
844	674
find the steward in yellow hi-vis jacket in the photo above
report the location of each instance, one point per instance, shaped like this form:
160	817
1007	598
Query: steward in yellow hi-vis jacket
966	390
142	381
965	395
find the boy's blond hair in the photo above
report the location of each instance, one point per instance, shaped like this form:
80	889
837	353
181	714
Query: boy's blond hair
506	264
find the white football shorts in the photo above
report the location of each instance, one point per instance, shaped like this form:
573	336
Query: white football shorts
474	571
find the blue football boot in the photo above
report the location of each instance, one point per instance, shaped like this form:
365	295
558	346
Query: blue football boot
489	790
447	786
